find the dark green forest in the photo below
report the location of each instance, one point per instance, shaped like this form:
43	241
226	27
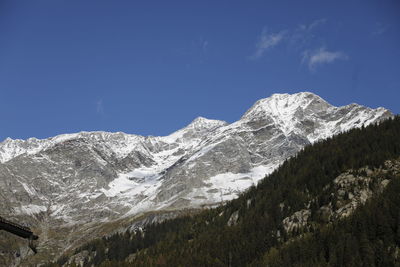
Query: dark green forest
368	237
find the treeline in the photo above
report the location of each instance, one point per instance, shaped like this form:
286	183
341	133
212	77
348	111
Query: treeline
258	237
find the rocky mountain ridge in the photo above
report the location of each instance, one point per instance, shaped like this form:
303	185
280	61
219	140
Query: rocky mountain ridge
335	202
90	178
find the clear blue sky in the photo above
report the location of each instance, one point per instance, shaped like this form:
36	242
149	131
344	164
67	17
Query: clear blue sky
151	67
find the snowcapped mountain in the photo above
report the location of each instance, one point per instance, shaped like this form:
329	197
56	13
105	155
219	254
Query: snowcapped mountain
77	179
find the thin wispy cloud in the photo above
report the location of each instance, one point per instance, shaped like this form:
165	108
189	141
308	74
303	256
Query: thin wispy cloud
99	106
321	56
204	46
195	52
312	25
379	29
267	41
304	34
296	38
200	48
300	40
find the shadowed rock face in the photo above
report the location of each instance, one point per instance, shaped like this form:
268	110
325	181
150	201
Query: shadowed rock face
74	180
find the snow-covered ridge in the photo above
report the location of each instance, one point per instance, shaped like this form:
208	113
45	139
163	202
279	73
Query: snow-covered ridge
11	148
284	105
285	111
120	143
201	123
289	112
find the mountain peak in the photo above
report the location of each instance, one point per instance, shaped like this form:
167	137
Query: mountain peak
299	94
284	105
201	123
196	128
309	115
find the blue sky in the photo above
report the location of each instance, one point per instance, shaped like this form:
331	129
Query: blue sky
151	67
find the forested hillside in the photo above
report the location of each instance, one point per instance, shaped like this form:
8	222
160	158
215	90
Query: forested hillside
337	203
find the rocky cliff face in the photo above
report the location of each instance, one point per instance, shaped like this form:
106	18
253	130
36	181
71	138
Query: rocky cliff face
80	181
348	191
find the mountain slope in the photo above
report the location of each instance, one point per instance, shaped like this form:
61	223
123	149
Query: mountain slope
335	203
369	237
81	182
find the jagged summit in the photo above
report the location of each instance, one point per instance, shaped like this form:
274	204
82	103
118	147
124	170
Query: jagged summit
11	148
286	105
198	128
201	123
309	115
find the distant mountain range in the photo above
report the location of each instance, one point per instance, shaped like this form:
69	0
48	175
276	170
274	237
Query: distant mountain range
80	181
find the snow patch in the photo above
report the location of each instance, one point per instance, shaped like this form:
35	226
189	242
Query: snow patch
31	209
227	186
